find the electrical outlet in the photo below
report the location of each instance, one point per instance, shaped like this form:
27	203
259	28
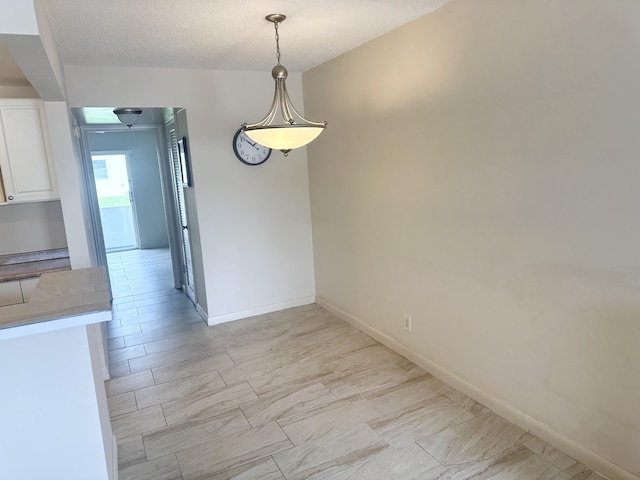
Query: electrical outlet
407	322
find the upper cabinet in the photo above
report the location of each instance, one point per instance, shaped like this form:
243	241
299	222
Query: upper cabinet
26	164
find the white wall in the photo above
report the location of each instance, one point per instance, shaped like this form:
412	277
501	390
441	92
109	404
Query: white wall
145	177
254	221
30	227
480	172
73	196
50	405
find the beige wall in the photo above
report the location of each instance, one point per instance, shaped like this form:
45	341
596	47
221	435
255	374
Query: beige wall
481	173
30	227
254	222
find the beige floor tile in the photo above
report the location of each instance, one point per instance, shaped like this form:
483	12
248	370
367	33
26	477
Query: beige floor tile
336	452
122	403
160	294
232	451
290	374
365	359
199	406
336	343
465	402
247	370
263	469
170	357
127	353
121	300
324	421
122	331
162	317
182	436
189	337
282	404
517	463
408	463
196	385
550	454
128	383
131	452
403	427
411	391
119	369
578	472
171	298
259	350
371	381
140	421
166	468
150	321
138	338
475	440
194	367
115	343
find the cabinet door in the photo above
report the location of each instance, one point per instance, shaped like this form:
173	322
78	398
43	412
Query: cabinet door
25	159
10	293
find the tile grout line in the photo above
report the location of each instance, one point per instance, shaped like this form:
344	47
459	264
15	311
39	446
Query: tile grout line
274	461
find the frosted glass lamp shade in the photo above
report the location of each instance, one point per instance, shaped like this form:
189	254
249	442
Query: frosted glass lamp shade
128	116
284	137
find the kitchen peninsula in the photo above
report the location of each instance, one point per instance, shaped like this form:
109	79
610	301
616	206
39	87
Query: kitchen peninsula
54	419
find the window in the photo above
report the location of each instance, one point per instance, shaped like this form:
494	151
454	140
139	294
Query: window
100	170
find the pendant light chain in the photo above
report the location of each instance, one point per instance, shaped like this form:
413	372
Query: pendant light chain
277	41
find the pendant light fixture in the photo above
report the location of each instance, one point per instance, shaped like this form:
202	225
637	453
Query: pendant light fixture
283	128
128	116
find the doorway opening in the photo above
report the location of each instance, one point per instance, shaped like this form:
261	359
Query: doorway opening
138	205
112	176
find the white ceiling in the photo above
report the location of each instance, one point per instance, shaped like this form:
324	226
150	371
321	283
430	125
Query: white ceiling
221	34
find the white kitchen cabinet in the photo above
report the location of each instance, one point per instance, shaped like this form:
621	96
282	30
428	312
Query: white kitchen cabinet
10	293
25	155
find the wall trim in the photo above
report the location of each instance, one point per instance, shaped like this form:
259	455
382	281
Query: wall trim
114	458
502	408
201	312
273	307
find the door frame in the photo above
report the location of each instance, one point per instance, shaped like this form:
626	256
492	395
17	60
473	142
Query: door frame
170	204
175	168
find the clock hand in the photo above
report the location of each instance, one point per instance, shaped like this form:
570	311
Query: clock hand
252	144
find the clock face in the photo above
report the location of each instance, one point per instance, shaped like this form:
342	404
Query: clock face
248	151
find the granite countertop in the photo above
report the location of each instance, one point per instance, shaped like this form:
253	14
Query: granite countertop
19	266
61	296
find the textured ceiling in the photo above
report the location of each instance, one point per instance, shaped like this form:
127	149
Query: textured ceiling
221	34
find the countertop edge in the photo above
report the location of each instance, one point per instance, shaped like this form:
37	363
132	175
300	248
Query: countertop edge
60	300
44	326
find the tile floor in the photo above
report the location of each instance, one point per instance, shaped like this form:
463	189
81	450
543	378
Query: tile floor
295	394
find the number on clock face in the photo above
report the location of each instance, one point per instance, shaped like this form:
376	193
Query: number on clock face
248	151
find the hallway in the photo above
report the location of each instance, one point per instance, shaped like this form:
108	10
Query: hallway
290	395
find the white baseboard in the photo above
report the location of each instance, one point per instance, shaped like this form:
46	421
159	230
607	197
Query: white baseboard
273	307
114	459
502	408
202	313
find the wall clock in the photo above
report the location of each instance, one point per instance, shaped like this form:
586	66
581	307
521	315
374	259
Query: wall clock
248	151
